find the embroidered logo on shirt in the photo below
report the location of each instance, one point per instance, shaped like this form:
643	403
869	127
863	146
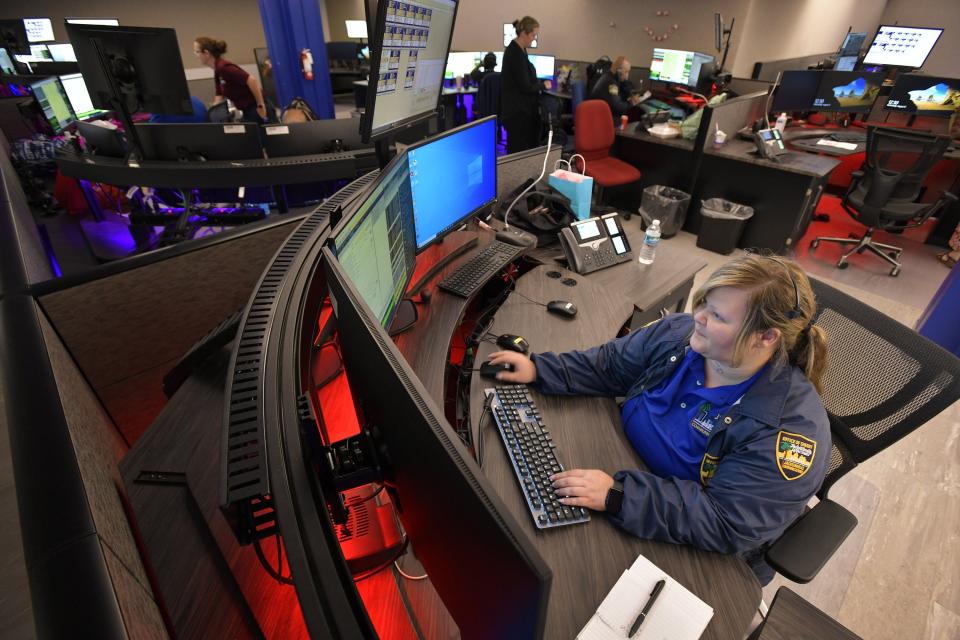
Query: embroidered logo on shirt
794	454
614	90
702	421
708	468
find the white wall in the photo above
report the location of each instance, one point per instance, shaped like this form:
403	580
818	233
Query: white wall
944	60
778	29
337	11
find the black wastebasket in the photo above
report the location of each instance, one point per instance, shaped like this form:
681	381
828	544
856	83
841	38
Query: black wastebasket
721	224
666	204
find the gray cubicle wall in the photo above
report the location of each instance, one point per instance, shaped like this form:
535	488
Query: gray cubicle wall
24	230
768	70
743	86
514	169
736	113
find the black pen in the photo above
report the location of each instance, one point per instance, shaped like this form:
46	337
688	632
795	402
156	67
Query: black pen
657	588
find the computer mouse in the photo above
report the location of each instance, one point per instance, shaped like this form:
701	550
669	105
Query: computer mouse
562	308
513	343
490	370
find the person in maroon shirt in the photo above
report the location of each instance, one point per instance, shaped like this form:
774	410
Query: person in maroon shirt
232	81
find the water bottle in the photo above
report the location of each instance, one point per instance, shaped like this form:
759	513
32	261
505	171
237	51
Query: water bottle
781	122
650	240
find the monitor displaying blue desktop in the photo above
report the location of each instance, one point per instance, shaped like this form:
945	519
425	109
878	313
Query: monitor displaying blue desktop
848	91
545	65
452	177
375	244
678	67
54	103
896	46
924	95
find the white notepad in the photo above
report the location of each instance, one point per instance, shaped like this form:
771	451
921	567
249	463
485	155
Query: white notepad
677	614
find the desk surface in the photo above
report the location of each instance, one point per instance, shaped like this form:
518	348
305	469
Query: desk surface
811	145
586	560
637	132
794	161
793	618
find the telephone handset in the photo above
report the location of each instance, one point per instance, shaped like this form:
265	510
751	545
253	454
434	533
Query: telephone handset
769	143
595	243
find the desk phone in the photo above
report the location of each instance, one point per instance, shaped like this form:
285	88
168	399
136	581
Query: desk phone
769	143
595	243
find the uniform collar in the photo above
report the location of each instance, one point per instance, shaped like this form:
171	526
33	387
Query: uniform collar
765	399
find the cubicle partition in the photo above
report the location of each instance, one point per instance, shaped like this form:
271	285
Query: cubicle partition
768	69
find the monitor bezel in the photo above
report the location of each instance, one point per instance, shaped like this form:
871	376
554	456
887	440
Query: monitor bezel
865	62
452	227
918	112
375	43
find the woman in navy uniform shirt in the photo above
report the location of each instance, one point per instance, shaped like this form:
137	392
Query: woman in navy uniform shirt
722	405
520	89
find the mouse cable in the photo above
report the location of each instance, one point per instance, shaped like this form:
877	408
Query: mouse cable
418	632
487	402
543	171
274	573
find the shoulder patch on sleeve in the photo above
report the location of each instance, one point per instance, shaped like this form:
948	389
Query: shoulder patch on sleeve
708	468
795	454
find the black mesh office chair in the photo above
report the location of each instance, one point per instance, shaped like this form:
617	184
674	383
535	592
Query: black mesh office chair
883	193
883	380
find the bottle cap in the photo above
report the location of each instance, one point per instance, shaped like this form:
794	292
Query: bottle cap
656	222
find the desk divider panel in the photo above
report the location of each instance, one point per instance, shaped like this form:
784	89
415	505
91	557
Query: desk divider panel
734	114
126	329
514	169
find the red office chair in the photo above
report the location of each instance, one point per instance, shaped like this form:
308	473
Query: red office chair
593	137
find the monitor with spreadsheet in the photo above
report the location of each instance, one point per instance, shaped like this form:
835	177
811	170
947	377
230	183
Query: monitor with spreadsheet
38	29
852	44
375	242
452	177
54	103
409	47
896	46
77	94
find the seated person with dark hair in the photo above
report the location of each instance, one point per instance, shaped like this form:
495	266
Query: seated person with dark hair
484	69
615	88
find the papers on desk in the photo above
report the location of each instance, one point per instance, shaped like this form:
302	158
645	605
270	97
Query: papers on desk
849	146
676	615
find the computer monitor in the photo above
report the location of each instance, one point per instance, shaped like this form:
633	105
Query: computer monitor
38	29
102	141
110	22
483	566
852	44
509	33
545	65
796	91
846	63
848	91
679	67
144	63
40	52
13	37
199	141
6	64
62	52
409	51
461	63
54	103
452	177
307	138
375	241
356	29
79	97
924	95
896	46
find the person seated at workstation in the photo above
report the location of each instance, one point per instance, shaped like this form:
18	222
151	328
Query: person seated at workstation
614	87
485	68
231	81
722	406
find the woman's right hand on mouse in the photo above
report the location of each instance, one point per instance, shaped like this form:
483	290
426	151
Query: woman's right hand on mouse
524	371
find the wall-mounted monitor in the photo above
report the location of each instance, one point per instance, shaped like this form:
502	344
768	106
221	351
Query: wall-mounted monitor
924	95
896	46
356	29
509	33
38	29
848	91
545	65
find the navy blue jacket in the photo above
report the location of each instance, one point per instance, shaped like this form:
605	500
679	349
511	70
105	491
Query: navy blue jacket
764	460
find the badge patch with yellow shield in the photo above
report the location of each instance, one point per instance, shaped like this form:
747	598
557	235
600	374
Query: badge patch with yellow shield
794	454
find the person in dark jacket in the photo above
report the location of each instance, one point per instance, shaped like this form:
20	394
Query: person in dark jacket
614	88
231	81
520	89
722	406
485	68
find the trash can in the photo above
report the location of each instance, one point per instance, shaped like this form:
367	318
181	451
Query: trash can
666	204
721	224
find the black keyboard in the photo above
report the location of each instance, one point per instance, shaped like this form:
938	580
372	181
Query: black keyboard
475	273
531	453
849	136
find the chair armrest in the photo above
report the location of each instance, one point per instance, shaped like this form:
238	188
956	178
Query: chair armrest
811	540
